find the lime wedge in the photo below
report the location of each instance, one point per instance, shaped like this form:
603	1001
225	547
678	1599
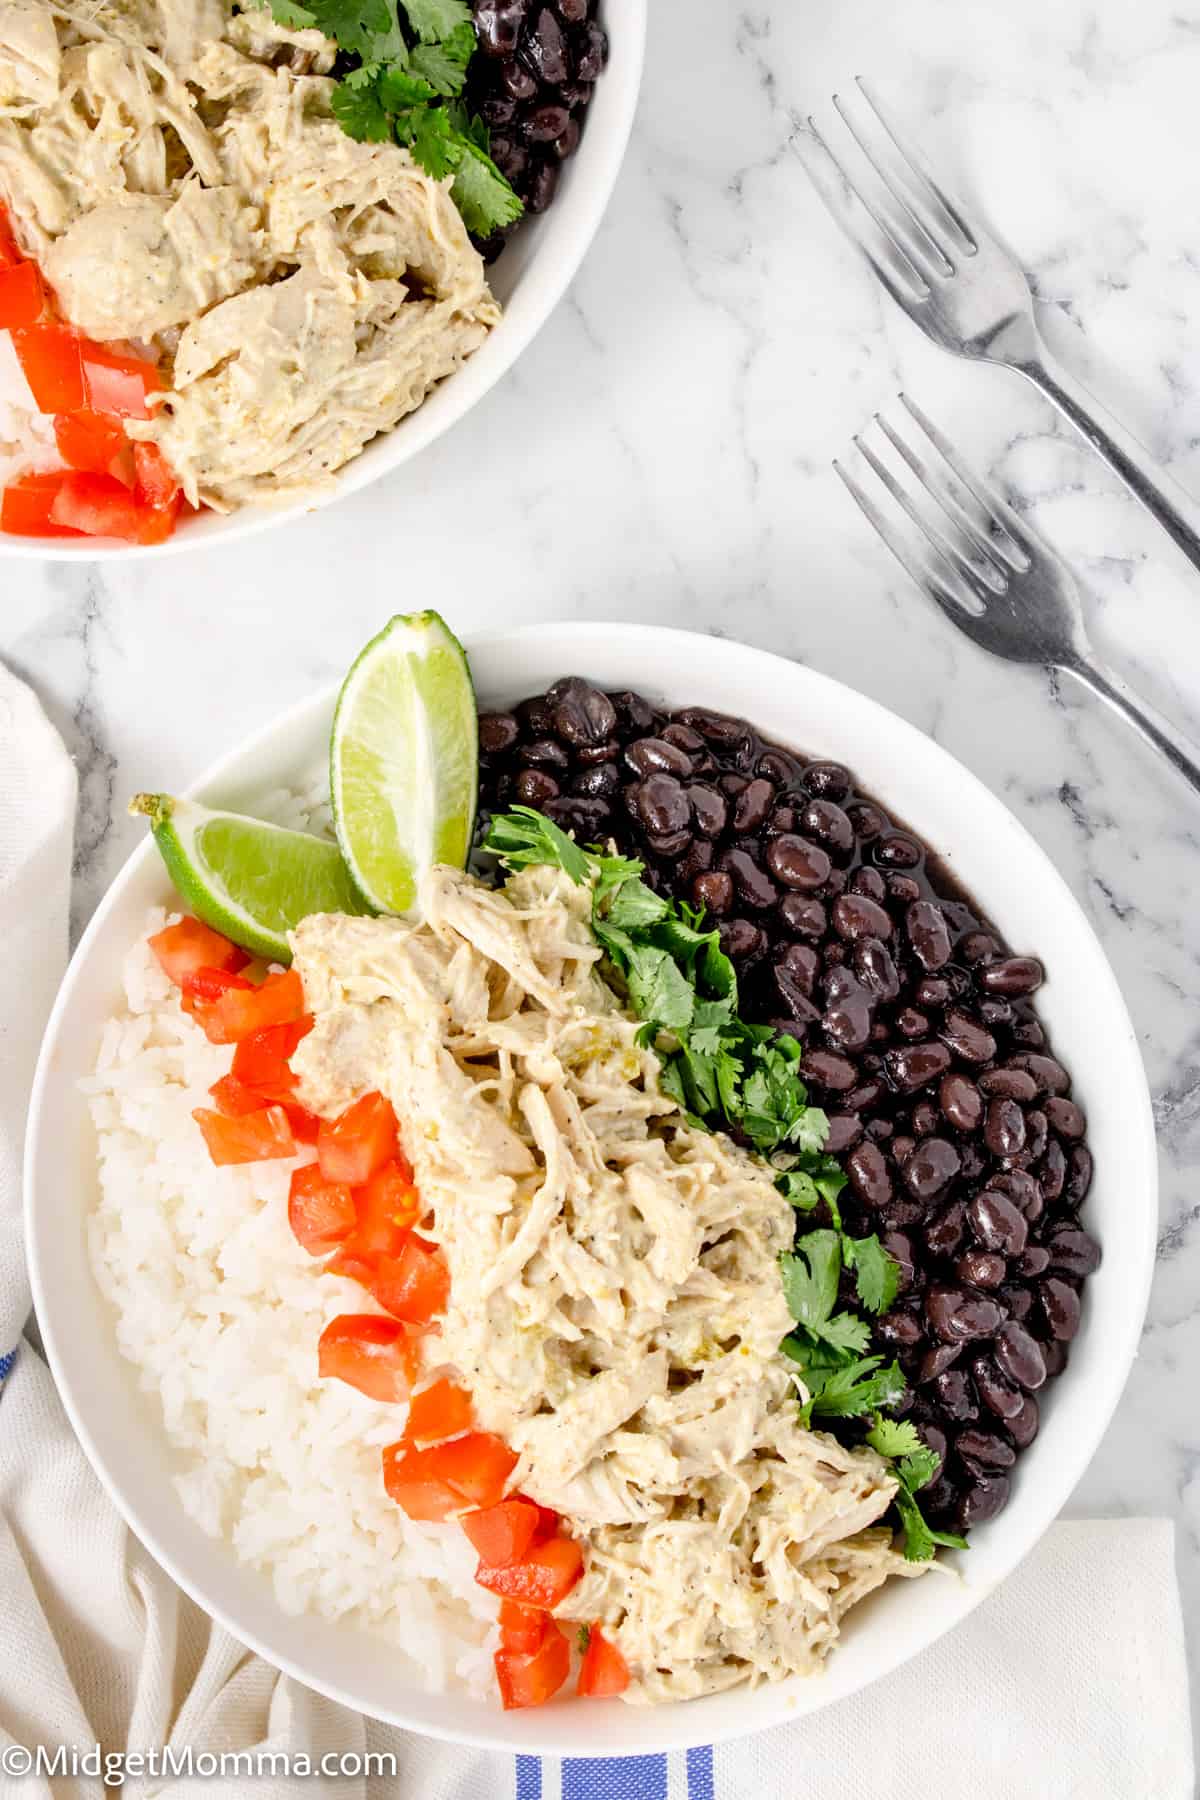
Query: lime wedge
403	760
253	881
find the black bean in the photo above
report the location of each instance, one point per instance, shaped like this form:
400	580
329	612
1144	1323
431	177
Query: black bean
1064	1117
544	50
518	82
1019	1356
498	732
1073	1252
1020	1187
696	860
955	1395
752	805
871	883
713	891
978	947
935	1440
967	1037
997	1223
669	844
802	915
995	1012
997	1394
1017	1300
825	820
498	25
780	769
1052	1170
875	968
1050	1075
928	933
931	991
1060	1306
897	851
797	863
740	939
633	712
899	1327
683	738
1023	1426
654	755
1037	1135
945	1233
829	779
710	809
591	51
567	141
983	1500
545	753
714	727
916	1065
899	1247
981	1268
845	1130
586	818
856	916
754	886
937	1360
1056	1354
1079	1178
931	1167
1004	1130
1013	975
960	1101
1029	1034
543	124
598	783
661	804
534	787
925	1119
903	888
866	1165
1033	1260
959	1315
538	190
498	111
1009	1084
984	1451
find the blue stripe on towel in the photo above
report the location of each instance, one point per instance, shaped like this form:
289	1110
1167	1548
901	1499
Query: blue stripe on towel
6	1363
615	1778
529	1778
700	1773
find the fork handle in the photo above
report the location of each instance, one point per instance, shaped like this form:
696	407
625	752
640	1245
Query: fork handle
1159	493
1179	751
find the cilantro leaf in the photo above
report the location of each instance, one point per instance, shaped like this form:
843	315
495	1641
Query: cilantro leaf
360	114
399	89
633	905
433	20
522	836
290	15
366	28
920	1539
483	197
436	146
847	1391
876	1274
441	67
583	1638
658	989
810	1278
895	1438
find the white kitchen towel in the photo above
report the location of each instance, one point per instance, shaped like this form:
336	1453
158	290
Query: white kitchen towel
1068	1684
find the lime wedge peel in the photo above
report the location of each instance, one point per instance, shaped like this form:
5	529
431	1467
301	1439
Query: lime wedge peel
252	881
404	756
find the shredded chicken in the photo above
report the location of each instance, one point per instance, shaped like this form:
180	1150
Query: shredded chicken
616	1306
176	170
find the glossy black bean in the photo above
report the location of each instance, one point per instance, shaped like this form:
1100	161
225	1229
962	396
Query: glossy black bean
1022	1427
978	947
651	755
984	1451
1004	1128
741	939
955	1396
997	1223
999	1395
1008	1084
1049	1074
545	753
967	1037
960	1315
914	1066
945	1233
981	1268
828	779
856	916
875	968
1020	1187
926	1119
498	25
498	732
591	51
826	822
896	850
928	933
534	787
713	891
931	1167
870	883
1013	976
960	1101
538	189
517	80
753	804
1079	1176
803	916
1064	1117
1019	1356
1033	1260
634	713
661	804
1073	1252
755	888
545	51
543	124
797	863
983	1500
845	1130
899	1327
866	1165
1052	1170
1060	1307
903	888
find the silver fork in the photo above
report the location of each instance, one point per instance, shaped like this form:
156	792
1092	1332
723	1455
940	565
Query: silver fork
967	293
991	575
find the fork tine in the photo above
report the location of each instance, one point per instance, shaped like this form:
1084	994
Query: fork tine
981	527
994	507
955	545
897	271
919	564
939	202
931	247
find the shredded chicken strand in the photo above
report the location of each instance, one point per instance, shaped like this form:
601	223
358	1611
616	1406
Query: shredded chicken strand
175	168
616	1306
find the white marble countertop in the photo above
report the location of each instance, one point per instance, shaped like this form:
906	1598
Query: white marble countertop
663	452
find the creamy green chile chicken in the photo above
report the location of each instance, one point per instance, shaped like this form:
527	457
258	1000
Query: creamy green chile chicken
175	169
616	1305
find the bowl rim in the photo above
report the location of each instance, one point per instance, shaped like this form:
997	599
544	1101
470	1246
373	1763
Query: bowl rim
1056	1480
576	227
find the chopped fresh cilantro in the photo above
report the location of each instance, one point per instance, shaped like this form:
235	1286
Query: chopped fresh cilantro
876	1274
914	1466
522	836
583	1638
397	65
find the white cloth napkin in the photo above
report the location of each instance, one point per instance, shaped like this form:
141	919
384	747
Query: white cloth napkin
1068	1684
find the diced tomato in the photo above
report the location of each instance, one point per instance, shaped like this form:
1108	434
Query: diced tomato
22	295
116	382
25	506
354	1146
9	252
320	1212
259	1137
415	1483
544	1576
102	506
92	441
547	1520
262	1059
476	1466
413	1285
530	1677
205	986
305	1125
156	482
387	1205
375	1355
183	948
521	1627
438	1412
53	366
235	1098
604	1671
240	1010
501	1533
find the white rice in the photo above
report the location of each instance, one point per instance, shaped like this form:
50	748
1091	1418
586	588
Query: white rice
220	1309
26	435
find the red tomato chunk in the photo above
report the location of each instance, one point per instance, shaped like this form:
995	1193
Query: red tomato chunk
544	1576
182	949
604	1671
259	1137
241	1008
502	1533
93	441
102	506
22	295
413	1285
521	1627
529	1678
320	1212
438	1412
52	363
25	507
375	1355
414	1481
361	1141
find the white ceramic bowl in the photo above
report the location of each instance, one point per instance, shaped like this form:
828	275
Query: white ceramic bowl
1015	885
529	279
